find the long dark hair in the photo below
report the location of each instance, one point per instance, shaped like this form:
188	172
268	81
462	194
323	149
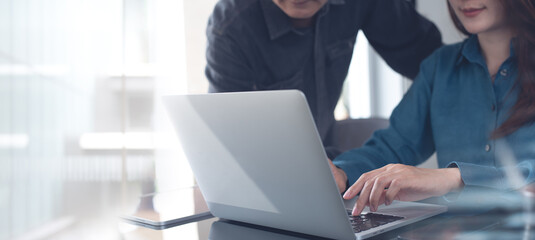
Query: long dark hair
521	14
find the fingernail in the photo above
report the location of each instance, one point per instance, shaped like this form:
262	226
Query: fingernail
346	194
356	209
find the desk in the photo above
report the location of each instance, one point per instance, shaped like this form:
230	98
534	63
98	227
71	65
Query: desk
493	224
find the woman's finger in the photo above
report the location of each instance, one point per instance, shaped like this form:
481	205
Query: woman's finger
392	192
380	183
352	191
363	198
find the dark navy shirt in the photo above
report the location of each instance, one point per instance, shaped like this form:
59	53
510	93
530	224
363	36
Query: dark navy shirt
252	45
451	109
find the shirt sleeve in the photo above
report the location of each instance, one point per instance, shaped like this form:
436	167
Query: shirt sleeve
502	178
227	68
482	183
408	140
400	35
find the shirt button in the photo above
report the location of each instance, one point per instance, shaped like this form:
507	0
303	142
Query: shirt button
487	148
493	107
503	72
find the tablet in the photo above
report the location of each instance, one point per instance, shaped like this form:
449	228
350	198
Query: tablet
168	209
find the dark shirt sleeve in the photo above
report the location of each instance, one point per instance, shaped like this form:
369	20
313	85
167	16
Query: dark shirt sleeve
227	68
400	35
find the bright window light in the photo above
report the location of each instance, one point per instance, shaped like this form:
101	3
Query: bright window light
17	141
129	140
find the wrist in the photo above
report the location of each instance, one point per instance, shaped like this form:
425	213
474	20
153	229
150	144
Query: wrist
454	179
344	175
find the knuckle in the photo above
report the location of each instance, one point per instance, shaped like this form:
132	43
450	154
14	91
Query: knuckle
379	180
393	166
367	188
366	185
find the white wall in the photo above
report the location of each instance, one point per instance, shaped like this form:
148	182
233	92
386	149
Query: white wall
437	11
196	16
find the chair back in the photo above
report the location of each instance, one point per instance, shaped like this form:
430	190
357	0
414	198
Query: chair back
353	133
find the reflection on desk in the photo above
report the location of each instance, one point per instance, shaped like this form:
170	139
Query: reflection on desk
494	224
229	230
483	216
161	210
191	231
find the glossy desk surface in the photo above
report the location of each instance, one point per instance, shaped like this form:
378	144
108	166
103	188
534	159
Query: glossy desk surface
484	216
493	224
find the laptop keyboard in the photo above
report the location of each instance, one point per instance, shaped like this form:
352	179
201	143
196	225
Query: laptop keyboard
370	220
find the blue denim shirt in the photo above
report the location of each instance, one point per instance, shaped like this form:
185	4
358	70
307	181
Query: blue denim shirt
252	45
451	109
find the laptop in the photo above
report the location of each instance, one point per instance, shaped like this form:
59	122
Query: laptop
258	158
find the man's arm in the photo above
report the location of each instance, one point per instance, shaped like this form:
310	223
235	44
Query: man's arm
400	35
227	68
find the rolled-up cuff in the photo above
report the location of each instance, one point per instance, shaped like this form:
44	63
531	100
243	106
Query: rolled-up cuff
480	176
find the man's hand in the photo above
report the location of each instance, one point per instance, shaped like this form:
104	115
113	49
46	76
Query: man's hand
339	176
402	182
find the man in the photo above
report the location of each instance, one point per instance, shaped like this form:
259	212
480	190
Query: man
308	45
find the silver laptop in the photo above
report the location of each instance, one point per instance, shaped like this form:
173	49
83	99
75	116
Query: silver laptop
258	158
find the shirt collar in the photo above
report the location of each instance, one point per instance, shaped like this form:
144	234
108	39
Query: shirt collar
278	23
472	52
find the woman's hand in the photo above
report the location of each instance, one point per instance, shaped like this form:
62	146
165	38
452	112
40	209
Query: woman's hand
340	176
402	182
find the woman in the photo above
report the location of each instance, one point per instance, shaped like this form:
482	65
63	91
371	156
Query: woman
471	103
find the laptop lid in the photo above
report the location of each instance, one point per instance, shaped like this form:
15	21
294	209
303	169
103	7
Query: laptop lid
258	158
